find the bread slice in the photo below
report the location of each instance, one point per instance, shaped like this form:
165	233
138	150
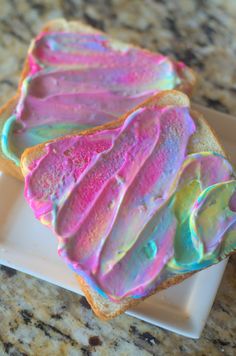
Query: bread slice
202	140
187	76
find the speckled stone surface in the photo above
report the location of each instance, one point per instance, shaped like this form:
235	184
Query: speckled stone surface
37	318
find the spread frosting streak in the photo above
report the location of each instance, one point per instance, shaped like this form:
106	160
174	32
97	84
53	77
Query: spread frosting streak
81	80
129	207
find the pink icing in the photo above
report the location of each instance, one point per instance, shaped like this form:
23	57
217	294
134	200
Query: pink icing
99	191
88	50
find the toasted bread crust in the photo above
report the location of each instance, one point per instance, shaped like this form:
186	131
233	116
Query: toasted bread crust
106	309
7	166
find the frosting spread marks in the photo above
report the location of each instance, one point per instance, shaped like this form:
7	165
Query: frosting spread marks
129	207
81	80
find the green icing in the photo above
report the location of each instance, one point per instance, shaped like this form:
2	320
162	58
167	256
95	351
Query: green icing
186	250
150	249
214	213
32	136
40	134
229	244
49	131
206	217
7	128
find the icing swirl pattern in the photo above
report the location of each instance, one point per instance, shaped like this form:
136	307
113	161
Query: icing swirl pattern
129	208
81	80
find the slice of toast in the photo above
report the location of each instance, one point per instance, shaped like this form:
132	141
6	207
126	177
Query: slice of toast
34	64
203	140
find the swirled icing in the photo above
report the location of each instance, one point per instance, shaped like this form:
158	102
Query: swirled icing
129	208
81	80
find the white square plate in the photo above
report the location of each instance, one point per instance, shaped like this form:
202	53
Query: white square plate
30	247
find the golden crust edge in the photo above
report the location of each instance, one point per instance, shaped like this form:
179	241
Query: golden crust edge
127	302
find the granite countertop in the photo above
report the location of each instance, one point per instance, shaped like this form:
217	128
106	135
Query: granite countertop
37	318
